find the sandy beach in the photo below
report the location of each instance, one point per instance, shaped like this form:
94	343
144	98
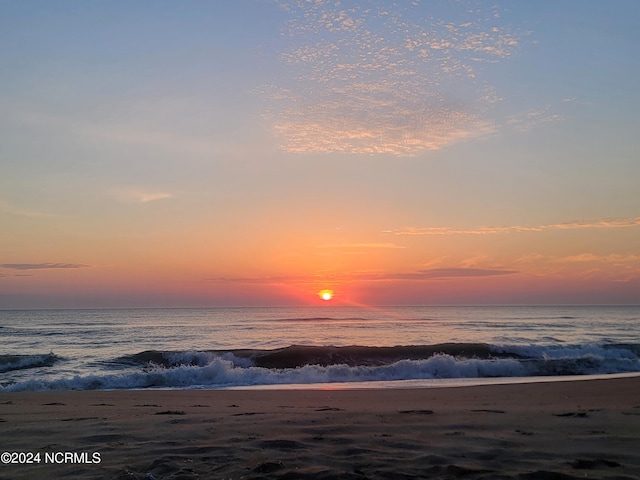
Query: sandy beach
556	430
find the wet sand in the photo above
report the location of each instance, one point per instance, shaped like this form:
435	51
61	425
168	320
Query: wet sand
549	431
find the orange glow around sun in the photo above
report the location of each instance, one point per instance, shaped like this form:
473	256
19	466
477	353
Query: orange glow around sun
325	294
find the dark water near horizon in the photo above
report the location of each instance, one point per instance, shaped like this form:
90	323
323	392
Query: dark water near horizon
231	347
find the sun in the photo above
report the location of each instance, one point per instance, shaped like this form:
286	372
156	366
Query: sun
325	295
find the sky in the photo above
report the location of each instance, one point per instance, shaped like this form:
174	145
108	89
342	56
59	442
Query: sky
256	152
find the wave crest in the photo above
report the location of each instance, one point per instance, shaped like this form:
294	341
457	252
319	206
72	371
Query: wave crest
299	364
9	363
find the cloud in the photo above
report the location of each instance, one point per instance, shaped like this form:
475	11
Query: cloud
617	260
613	259
362	245
530	119
135	195
145	197
274	280
617	267
420	275
41	266
375	78
464	272
435	273
10	209
605	223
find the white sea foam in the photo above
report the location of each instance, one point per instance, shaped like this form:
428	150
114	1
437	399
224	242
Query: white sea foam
224	372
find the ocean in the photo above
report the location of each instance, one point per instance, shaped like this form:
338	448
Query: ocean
312	347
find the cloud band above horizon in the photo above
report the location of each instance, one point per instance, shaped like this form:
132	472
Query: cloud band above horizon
605	223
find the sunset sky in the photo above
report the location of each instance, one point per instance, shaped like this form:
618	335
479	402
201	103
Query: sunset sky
195	153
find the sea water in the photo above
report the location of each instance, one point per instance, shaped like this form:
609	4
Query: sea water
311	346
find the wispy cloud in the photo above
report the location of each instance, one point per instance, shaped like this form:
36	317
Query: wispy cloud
433	273
362	245
375	78
530	119
420	275
138	195
464	272
618	267
41	266
613	258
11	209
490	230
268	280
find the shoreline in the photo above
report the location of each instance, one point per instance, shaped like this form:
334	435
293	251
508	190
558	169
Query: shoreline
431	383
545	430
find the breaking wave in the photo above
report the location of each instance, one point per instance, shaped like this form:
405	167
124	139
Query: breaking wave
299	364
9	363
